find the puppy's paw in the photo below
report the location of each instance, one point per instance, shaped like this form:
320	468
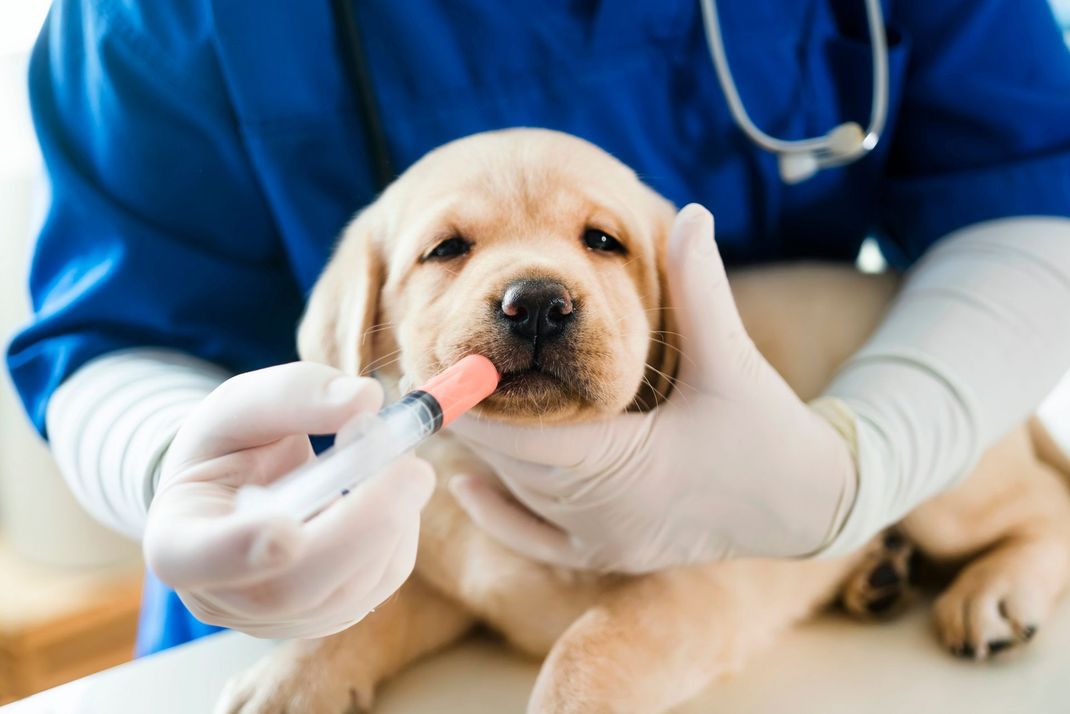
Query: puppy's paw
996	604
284	682
879	588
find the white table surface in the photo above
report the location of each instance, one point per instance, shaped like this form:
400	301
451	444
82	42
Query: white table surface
830	666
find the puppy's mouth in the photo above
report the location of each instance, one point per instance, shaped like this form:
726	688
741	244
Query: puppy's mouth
529	380
551	385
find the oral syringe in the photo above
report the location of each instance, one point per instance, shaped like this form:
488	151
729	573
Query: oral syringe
379	440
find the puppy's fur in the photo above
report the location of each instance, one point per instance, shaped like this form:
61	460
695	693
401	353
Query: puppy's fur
523	199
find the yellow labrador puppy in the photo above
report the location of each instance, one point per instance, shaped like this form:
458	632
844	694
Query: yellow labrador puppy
442	266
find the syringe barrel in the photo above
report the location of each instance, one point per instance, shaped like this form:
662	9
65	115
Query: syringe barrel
383	438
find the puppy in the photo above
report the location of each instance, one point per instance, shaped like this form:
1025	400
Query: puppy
453	259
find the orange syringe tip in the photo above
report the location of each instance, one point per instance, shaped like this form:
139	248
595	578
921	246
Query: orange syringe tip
462	386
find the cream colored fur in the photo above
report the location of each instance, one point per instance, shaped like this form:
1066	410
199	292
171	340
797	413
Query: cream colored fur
613	644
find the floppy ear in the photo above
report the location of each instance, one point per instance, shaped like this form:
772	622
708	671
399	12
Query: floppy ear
664	350
344	303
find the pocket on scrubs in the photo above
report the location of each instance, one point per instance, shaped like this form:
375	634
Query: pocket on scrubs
848	76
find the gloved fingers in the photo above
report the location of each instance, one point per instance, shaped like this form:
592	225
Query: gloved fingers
260	407
400	491
349	544
531	483
346	606
189	548
192	536
512	524
189	543
575	446
398	568
703	307
300	595
227	473
354	601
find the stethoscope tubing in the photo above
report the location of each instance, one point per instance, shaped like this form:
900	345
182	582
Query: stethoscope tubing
821	148
820	144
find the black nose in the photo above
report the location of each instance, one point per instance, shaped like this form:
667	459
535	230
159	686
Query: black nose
537	309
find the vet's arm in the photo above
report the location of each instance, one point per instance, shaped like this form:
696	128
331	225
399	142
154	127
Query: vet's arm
110	424
157	444
733	464
977	338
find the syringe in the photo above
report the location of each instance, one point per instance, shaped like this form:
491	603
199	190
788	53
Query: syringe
396	429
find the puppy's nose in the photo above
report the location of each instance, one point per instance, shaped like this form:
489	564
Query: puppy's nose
538	308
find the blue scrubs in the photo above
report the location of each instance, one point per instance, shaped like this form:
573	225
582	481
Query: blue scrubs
204	156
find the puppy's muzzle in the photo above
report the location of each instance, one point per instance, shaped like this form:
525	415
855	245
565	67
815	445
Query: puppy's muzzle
537	311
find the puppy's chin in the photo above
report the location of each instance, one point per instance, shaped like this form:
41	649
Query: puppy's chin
532	397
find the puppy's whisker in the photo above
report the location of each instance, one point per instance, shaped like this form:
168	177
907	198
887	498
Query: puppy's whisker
387	356
654	369
667	344
678	385
379	327
386	365
384	361
660	397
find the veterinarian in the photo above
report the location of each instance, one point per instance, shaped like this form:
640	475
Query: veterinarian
203	158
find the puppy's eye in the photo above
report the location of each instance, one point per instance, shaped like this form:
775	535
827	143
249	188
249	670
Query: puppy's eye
450	248
599	240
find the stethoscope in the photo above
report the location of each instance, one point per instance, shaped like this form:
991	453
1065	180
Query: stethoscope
797	159
800	159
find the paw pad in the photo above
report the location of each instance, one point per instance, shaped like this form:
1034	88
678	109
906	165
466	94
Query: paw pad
879	587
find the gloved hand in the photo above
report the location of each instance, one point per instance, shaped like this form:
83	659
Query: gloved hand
733	464
274	576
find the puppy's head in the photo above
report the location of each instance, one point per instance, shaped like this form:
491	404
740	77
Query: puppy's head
531	247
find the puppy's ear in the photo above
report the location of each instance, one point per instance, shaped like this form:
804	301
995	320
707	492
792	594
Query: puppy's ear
664	350
344	303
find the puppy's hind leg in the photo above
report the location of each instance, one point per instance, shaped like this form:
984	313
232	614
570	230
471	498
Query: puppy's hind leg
655	641
338	674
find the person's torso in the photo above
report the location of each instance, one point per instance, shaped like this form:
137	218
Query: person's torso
632	77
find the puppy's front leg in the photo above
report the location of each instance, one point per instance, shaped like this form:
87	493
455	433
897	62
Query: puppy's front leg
338	674
656	641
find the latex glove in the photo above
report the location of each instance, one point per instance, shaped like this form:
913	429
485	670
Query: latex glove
274	576
733	464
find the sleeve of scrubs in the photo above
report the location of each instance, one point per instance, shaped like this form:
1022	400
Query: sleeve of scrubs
974	342
157	233
980	162
1054	414
111	422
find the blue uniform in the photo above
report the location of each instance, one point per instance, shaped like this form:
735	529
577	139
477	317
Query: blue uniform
204	155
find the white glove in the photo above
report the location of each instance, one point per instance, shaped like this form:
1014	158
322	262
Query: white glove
276	577
733	464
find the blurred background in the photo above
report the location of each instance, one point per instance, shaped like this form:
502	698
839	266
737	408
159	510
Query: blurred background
68	588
